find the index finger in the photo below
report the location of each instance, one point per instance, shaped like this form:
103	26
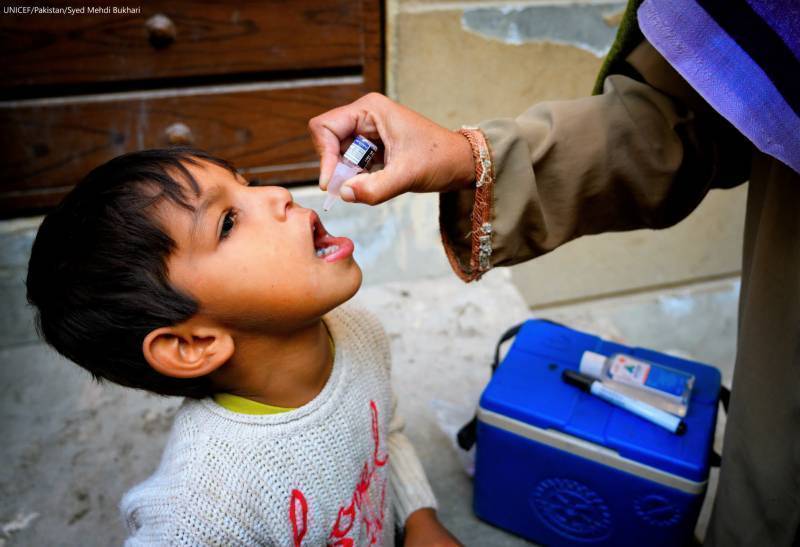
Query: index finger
328	130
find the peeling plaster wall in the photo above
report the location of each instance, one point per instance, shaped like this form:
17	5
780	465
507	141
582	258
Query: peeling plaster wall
588	27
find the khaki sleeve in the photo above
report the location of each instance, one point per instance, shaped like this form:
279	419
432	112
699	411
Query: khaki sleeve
643	154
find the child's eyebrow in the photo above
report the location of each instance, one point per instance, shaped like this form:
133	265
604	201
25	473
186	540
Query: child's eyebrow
212	196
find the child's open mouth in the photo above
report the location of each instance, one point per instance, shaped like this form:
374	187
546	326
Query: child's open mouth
327	246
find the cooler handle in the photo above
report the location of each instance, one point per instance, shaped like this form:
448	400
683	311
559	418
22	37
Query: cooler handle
467	434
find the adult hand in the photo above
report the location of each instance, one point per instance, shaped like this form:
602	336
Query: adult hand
418	154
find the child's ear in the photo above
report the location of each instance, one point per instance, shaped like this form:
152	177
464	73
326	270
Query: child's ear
187	350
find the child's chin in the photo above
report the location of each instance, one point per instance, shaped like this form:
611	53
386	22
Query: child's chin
348	283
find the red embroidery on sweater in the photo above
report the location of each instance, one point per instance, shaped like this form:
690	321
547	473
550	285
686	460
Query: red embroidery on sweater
371	517
376	436
341	528
298	528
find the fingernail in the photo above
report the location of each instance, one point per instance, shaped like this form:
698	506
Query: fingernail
323	182
347	194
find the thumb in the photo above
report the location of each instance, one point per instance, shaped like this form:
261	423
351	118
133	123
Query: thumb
377	187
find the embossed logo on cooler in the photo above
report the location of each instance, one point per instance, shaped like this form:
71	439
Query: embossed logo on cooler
572	509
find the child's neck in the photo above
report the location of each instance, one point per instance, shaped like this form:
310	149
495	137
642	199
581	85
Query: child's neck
286	370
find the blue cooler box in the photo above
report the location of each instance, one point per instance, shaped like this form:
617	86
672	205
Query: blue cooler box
561	467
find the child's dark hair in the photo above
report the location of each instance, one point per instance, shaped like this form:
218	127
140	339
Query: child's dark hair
98	275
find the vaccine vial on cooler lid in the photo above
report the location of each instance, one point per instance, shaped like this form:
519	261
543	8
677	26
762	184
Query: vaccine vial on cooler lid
661	386
354	161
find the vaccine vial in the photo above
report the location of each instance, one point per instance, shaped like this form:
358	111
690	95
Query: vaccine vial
354	161
657	385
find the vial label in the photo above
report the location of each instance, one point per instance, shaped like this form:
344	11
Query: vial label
629	370
632	371
360	152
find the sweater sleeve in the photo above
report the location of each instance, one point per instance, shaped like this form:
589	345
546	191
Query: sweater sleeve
409	485
643	154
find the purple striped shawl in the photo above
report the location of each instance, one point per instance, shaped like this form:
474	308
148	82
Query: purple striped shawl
743	57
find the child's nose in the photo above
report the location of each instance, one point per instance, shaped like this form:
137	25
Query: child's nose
279	199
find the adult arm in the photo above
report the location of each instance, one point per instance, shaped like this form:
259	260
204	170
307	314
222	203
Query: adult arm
642	154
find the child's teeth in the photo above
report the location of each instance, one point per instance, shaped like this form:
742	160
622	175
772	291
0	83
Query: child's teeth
327	250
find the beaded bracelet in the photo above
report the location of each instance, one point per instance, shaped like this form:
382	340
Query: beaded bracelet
480	259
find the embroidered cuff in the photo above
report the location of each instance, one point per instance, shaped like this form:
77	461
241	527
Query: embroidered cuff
481	226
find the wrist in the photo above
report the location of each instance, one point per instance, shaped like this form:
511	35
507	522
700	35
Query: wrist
463	162
420	517
422	528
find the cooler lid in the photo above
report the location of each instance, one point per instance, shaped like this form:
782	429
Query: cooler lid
528	387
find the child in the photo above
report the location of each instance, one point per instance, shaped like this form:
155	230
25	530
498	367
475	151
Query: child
164	271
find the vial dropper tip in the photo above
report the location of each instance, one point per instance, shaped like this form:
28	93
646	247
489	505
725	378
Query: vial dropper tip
330	199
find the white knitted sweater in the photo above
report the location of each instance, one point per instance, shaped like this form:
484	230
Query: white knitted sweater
336	471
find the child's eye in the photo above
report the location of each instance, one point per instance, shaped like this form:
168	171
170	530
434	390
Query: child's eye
227	224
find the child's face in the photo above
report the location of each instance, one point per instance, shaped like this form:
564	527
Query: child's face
249	256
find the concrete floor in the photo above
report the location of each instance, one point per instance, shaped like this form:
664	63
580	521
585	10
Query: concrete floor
72	447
